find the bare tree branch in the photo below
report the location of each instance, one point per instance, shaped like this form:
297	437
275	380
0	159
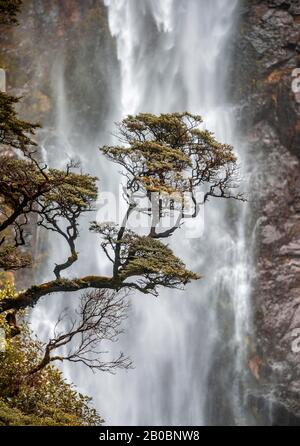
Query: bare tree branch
98	320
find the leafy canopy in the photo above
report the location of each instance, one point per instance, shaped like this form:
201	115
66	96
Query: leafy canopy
149	260
164	154
171	153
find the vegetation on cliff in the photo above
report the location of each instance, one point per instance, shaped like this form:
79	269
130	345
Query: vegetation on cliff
164	159
30	394
43	398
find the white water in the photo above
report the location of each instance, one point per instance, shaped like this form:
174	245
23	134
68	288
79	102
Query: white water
188	347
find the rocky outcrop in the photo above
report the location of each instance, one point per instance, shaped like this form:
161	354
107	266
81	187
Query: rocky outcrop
268	91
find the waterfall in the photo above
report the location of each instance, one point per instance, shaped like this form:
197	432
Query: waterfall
189	348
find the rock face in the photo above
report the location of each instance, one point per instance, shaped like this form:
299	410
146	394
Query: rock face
268	91
55	36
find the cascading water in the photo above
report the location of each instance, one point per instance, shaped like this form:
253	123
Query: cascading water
188	347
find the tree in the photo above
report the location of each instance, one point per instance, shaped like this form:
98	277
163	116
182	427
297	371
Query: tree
163	158
166	161
163	154
28	187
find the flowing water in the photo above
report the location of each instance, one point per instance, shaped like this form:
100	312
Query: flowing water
188	348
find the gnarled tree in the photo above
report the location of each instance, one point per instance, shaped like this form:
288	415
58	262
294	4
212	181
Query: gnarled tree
160	155
29	187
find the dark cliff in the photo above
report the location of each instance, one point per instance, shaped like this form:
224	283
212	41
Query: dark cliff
267	89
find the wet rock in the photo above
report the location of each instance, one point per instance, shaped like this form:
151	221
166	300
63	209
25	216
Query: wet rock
292	249
268	55
270	235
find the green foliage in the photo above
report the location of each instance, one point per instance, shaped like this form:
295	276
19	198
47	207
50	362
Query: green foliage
42	399
11	258
144	257
28	187
21	178
7	289
72	191
169	153
13	131
152	259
